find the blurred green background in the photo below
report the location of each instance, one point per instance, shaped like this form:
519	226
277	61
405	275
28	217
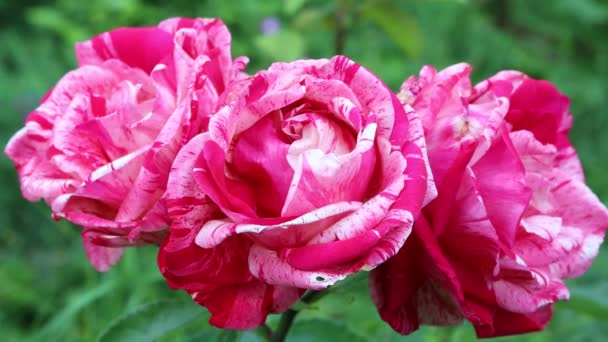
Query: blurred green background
49	292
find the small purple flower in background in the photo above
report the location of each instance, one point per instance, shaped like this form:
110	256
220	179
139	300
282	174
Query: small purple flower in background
270	25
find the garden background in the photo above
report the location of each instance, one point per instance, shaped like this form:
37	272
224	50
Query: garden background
48	291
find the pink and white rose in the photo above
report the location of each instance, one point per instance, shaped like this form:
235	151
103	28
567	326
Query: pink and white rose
311	171
513	216
99	147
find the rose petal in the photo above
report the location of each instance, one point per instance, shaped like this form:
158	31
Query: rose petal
139	47
501	183
269	267
318	175
102	258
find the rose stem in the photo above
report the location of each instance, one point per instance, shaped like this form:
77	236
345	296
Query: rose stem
288	316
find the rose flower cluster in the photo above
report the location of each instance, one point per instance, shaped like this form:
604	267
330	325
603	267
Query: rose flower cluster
463	201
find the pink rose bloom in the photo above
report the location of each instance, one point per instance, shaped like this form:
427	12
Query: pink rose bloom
99	147
310	172
513	216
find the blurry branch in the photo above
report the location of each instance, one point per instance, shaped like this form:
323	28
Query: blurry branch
500	10
340	37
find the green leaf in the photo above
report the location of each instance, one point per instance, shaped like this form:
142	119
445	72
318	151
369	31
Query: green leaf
398	25
205	335
51	19
228	335
344	288
55	328
308	19
16	289
285	45
589	300
322	330
152	321
292	6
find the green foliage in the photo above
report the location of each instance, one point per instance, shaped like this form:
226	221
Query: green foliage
319	330
273	46
50	292
292	6
396	23
152	321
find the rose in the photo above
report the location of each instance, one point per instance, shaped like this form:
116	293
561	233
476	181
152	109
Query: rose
513	216
310	172
99	147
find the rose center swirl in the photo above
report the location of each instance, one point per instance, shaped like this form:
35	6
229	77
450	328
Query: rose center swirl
302	143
